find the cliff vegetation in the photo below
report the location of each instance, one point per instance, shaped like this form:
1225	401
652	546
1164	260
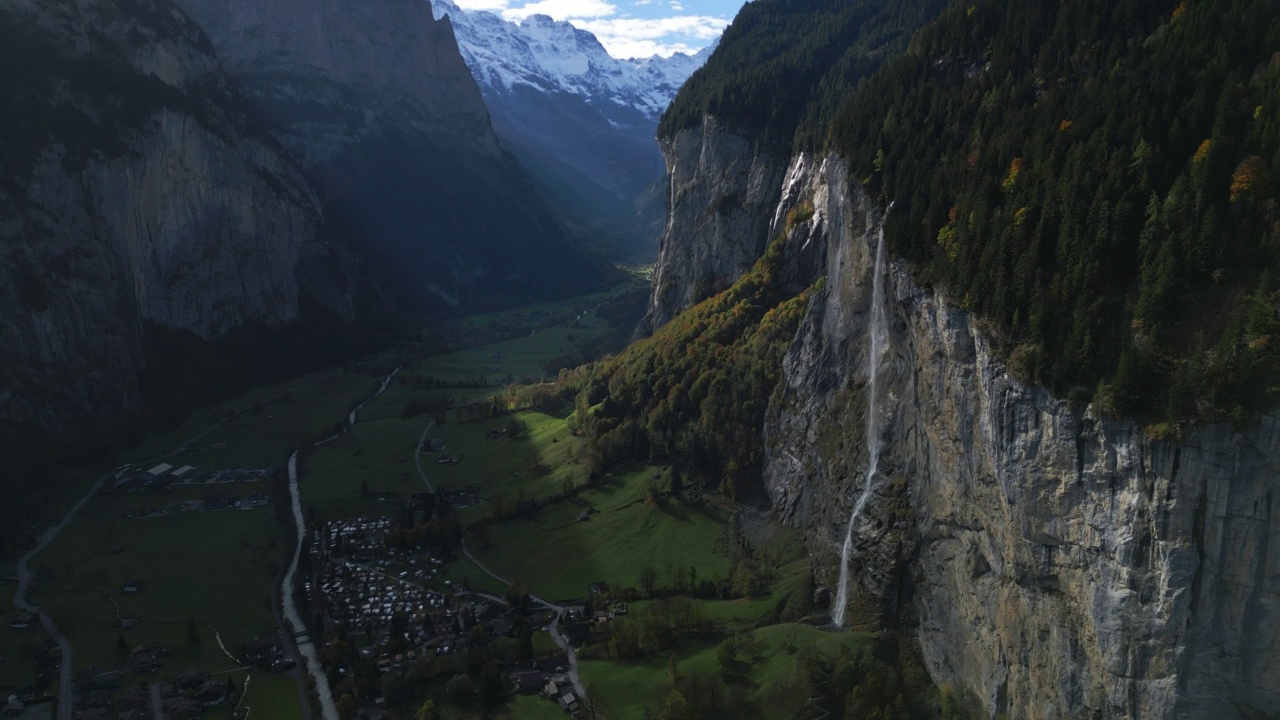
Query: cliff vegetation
1096	180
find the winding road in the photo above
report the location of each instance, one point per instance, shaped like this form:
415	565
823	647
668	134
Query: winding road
560	610
65	694
289	601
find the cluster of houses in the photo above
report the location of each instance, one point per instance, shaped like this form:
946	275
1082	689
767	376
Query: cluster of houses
366	600
464	498
100	695
360	539
160	477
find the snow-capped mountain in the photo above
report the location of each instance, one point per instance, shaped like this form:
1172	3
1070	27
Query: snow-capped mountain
581	121
555	56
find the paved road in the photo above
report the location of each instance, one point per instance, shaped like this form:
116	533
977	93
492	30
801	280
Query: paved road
65	695
289	603
20	601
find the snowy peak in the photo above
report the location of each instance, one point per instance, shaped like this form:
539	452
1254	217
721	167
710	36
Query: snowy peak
554	56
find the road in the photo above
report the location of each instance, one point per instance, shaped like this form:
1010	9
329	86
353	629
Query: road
289	602
559	609
20	601
65	695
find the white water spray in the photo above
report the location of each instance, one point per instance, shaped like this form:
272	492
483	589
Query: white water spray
879	333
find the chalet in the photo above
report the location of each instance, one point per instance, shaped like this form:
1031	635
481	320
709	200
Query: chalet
181	708
135	699
144	663
213	692
264	649
22	622
191	680
529	681
568	702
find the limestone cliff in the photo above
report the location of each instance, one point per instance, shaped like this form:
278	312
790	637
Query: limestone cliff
374	100
1052	562
133	193
721	196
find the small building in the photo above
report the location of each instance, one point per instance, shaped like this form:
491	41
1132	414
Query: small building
131	587
161	469
212	692
600	588
264	649
190	680
144	663
529	681
13	708
22	622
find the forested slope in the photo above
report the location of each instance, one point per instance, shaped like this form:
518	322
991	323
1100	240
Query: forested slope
1096	179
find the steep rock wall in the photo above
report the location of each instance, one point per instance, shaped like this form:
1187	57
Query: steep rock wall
721	197
375	102
133	193
1053	563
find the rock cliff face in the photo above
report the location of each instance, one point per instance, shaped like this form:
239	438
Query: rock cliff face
375	101
133	192
1054	563
720	204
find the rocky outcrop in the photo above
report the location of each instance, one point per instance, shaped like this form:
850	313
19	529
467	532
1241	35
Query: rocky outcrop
720	203
376	103
1054	563
133	193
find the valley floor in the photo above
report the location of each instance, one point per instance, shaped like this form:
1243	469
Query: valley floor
166	583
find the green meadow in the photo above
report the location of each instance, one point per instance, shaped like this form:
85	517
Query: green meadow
632	689
557	555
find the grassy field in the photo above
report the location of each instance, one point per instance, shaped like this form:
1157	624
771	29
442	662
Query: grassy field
555	555
378	453
272	697
216	567
531	707
303	409
629	688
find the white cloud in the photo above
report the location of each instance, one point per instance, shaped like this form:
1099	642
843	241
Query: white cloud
622	35
637	37
489	5
570	10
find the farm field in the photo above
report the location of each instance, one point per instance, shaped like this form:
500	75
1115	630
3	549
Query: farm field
556	555
632	688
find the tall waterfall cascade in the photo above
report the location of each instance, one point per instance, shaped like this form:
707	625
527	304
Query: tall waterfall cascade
879	337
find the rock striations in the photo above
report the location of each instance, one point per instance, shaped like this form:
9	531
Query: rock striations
133	193
1053	563
375	101
720	203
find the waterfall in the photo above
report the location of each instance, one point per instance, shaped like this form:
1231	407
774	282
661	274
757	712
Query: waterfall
879	336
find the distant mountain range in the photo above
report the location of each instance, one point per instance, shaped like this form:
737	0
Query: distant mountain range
581	121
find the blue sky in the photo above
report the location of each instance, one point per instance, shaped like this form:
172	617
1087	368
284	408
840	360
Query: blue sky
629	28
